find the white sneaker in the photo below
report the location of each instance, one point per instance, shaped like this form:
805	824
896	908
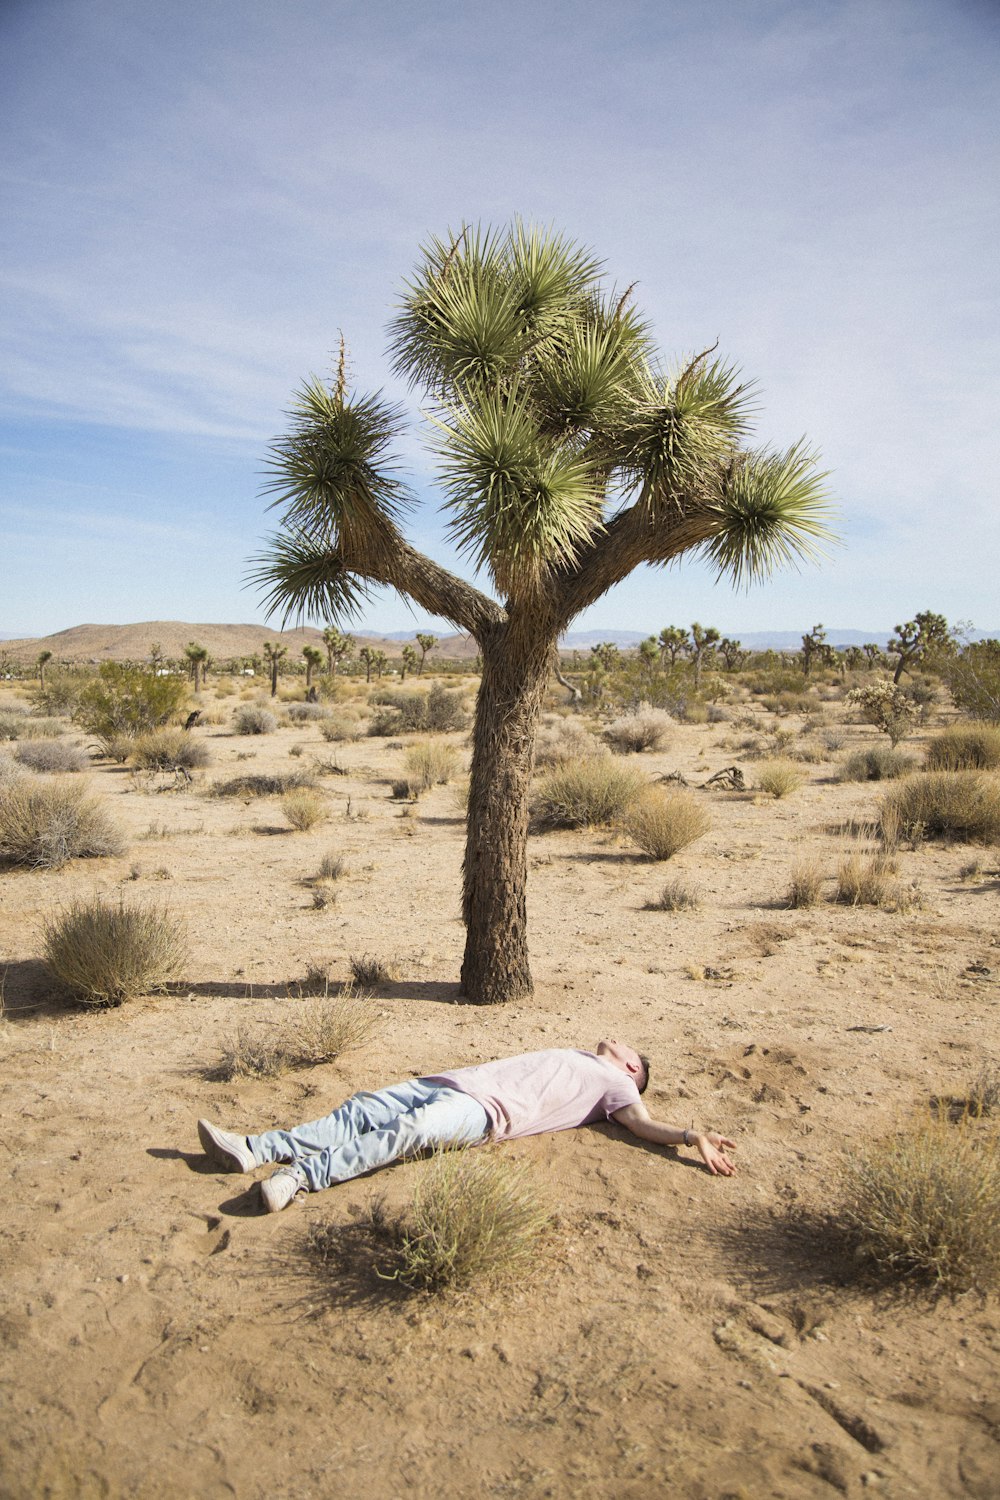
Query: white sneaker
281	1187
228	1151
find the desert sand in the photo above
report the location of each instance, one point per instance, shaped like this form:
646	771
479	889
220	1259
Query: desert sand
164	1337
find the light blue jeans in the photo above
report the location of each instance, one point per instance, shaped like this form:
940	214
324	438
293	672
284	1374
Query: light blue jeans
371	1130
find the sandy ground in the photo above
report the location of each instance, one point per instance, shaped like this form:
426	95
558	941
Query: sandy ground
161	1336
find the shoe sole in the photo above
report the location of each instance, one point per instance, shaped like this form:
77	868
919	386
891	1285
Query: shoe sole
274	1200
219	1153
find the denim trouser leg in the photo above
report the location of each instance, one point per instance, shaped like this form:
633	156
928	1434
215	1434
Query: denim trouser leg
371	1130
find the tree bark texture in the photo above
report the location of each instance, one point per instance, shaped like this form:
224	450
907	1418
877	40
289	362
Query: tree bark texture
516	664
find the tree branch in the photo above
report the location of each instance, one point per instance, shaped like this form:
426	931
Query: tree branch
440	592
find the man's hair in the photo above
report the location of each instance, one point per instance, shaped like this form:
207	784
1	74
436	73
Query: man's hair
644	1085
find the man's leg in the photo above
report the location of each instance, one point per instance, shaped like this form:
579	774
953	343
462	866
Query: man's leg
371	1130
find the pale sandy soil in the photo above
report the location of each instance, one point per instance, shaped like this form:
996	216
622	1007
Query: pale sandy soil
163	1337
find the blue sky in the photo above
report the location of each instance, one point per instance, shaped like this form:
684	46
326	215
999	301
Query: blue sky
199	196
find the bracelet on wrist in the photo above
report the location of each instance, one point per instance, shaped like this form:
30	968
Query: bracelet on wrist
687	1134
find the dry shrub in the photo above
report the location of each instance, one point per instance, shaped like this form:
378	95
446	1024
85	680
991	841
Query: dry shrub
965	747
341	729
107	954
961	805
676	896
262	785
299	713
805	885
331	867
18	724
878	763
475	1219
253	719
779	778
44	824
585	793
370	972
163	749
430	764
924	1205
560	740
252	1053
303	808
662	822
51	755
10	771
645	729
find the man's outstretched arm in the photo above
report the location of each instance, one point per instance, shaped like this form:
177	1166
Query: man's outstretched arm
636	1117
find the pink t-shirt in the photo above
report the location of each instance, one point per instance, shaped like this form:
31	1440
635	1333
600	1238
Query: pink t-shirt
552	1090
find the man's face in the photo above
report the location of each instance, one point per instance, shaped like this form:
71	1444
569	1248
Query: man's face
623	1057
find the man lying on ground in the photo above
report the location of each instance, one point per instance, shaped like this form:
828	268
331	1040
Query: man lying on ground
537	1091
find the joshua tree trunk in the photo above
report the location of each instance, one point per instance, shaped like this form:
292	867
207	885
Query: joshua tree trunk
516	665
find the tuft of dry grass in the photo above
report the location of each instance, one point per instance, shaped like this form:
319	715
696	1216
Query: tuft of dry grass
475	1220
262	785
430	763
105	954
869	880
878	763
303	808
370	972
595	790
645	729
961	805
965	747
779	778
924	1205
560	740
676	896
663	822
805	884
44	824
311	1032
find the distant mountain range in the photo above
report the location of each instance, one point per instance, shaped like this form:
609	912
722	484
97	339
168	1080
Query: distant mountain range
97	643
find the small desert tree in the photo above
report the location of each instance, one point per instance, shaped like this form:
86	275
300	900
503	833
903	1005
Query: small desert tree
674	641
273	654
41	661
197	657
924	637
313	658
700	647
426	644
338	645
733	653
815	649
409	661
366	656
568	455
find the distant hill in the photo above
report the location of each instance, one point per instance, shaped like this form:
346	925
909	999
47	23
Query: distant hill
96	643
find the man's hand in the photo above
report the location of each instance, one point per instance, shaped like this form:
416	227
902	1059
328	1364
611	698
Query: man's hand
713	1155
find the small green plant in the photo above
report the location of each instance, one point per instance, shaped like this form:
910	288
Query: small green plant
105	954
960	805
596	790
165	749
663	822
779	778
476	1219
886	706
303	808
805	884
51	755
676	896
44	824
924	1205
251	718
965	747
127	700
431	764
878	763
645	729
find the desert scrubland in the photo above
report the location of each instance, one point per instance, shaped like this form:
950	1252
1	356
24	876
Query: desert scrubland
676	1334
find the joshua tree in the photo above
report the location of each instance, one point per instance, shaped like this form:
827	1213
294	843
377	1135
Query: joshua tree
313	658
367	657
733	653
197	657
409	656
40	662
426	643
700	648
567	457
649	652
925	635
272	655
873	654
156	657
379	661
605	655
815	648
673	640
337	646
